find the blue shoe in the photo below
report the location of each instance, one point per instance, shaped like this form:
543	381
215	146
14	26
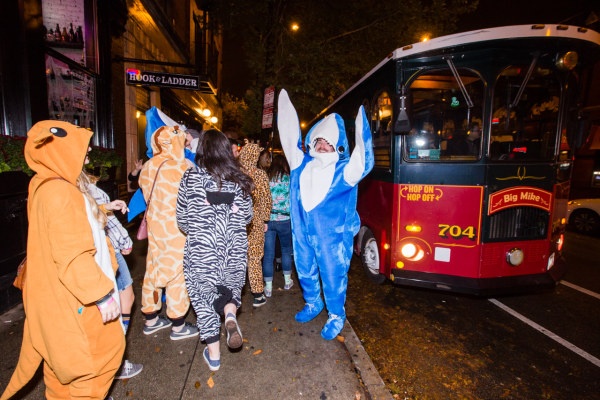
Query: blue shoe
310	311
213	365
333	327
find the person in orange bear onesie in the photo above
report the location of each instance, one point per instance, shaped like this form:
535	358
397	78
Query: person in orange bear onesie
164	262
70	301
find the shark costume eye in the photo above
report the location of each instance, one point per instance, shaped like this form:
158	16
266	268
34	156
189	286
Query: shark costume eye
59	132
341	149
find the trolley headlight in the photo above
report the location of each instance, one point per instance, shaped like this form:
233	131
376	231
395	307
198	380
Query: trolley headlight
409	250
514	257
412	252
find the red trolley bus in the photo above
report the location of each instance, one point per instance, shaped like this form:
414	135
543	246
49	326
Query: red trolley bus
473	136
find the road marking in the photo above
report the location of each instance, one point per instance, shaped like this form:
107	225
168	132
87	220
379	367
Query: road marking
548	333
582	290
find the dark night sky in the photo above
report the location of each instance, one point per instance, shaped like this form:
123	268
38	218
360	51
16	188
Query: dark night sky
515	12
236	76
490	13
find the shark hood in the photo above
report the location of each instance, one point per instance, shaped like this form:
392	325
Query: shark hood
57	149
332	130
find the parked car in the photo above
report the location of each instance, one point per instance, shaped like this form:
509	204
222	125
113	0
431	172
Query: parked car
583	215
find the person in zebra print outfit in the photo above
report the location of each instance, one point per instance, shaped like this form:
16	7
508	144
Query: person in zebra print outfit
213	208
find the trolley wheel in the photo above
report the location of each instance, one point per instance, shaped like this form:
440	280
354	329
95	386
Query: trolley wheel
369	255
585	221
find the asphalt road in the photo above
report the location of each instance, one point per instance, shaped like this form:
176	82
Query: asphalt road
435	345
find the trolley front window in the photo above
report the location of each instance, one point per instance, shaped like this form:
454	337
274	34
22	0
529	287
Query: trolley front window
447	116
525	112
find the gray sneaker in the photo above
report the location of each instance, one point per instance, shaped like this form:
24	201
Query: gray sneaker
161	323
188	331
128	370
234	335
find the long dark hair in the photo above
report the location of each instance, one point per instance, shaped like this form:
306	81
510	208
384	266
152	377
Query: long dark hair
214	154
279	167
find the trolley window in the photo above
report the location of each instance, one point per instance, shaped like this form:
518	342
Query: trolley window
446	109
381	129
528	131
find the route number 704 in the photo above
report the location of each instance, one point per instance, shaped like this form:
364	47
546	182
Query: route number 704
456	231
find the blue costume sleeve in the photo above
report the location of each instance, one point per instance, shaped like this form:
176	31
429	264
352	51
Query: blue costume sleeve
190	156
137	205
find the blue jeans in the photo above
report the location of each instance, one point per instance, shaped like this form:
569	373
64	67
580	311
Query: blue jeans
123	275
283	229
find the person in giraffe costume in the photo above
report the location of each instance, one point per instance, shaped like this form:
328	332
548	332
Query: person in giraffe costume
164	262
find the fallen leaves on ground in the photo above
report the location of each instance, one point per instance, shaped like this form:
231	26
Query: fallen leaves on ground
210	382
257	352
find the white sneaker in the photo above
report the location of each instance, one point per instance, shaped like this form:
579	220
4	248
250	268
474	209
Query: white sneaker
288	285
268	291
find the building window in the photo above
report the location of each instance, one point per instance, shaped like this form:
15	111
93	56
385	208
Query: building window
72	63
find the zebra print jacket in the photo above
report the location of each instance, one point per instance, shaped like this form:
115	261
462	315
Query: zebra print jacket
215	224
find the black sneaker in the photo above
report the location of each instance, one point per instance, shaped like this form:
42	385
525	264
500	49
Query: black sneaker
259	300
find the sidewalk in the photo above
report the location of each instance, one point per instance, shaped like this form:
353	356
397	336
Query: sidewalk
280	359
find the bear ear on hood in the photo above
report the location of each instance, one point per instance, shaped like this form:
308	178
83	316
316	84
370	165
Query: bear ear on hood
41	134
42	140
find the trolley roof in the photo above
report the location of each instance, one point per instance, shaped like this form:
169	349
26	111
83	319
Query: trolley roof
483	35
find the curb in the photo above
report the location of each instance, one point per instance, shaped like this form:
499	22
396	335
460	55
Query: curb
374	385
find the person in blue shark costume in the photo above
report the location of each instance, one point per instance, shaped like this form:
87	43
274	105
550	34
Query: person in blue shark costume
323	195
155	119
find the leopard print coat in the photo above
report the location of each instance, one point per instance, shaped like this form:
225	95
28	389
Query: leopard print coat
261	200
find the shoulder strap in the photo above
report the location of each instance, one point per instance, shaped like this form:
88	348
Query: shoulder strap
154	183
